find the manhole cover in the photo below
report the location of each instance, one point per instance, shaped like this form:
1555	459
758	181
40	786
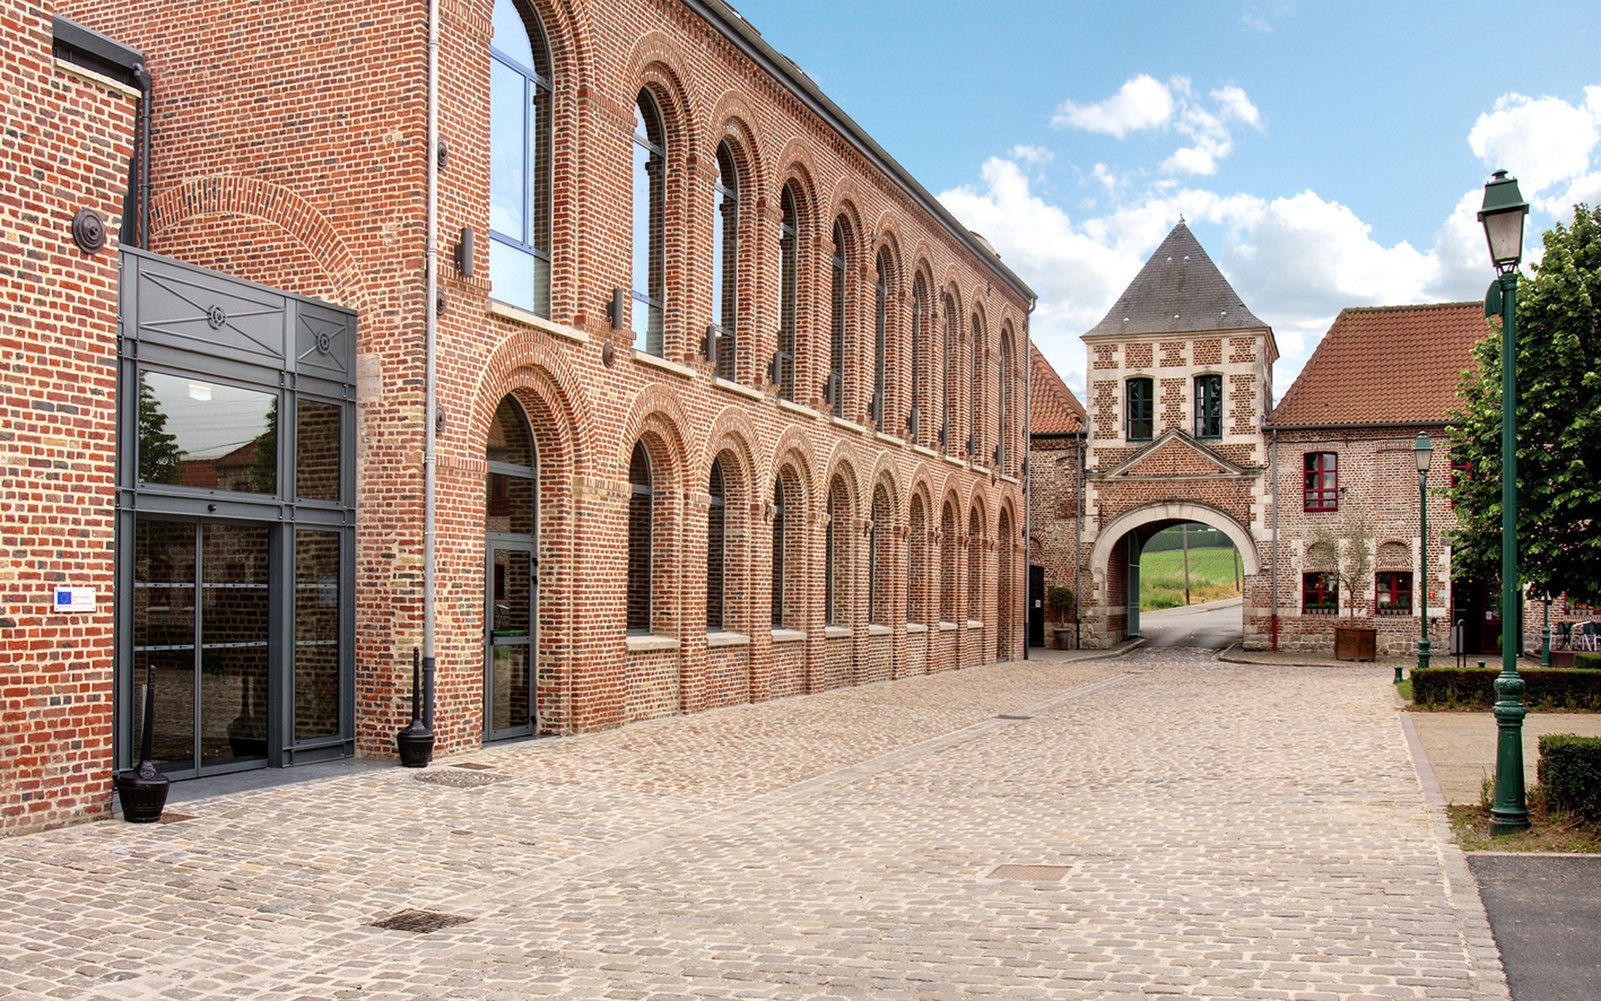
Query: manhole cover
456	777
420	922
477	766
1035	873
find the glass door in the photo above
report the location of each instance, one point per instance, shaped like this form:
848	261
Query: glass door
201	613
510	588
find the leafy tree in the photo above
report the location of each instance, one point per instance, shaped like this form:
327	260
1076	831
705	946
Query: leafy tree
160	458
1349	546
1558	359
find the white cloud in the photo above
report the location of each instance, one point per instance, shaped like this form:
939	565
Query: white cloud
1145	104
1263	16
1543	141
1034	156
1141	103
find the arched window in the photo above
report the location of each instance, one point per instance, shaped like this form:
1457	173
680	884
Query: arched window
916	557
834	536
834	391
725	261
788	267
778	551
716	525
879	598
513	476
947	564
1139	415
650	207
948	374
1003	408
519	160
975	394
975	566
875	410
919	320
641	504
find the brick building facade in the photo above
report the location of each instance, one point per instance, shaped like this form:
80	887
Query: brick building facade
729	407
1180	427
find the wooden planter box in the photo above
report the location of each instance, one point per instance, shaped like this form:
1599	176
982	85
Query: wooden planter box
1355	642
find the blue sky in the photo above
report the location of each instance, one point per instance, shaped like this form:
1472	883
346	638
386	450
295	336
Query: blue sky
1325	154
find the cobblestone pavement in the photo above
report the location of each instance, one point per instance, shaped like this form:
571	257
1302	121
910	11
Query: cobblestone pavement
1222	831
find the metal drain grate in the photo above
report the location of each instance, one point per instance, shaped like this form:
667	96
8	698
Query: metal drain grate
477	766
1033	873
1006	716
168	817
419	922
456	778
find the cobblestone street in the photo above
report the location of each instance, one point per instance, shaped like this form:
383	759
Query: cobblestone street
1219	831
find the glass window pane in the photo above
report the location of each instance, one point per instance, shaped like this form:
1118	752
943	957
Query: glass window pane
233	649
195	433
317	441
511	34
316	668
164	639
508	144
515	274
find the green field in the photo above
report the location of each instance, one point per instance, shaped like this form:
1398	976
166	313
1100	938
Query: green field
1162	577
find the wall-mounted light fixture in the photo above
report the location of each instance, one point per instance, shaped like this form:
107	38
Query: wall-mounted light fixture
464	252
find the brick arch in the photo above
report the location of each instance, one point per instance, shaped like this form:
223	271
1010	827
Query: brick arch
885	471
1175	511
889	242
656	64
844	200
256	198
793	448
921	482
731	119
790	166
656	411
524	360
730	430
842	458
568	35
978	498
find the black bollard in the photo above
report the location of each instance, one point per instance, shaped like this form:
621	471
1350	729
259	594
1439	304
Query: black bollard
415	741
143	790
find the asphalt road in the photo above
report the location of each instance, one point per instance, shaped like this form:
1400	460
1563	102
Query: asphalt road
1211	626
1544	911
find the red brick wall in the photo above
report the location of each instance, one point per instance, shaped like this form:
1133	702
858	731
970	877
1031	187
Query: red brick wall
292	155
68	142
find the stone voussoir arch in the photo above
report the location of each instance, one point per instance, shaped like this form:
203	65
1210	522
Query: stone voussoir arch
1205	514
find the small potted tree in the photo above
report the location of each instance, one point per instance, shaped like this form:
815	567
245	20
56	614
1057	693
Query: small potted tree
1354	637
1060	600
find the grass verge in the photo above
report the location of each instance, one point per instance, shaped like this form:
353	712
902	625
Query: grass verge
1546	833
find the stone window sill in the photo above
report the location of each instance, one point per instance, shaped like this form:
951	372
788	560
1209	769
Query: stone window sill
838	632
948	627
736	388
649	642
523	316
721	639
917	627
796	408
975	623
875	629
646	358
788	635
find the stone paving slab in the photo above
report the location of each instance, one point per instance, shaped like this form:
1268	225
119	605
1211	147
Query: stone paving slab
832	846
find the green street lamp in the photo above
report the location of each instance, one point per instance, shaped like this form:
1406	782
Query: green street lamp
1502	216
1422	451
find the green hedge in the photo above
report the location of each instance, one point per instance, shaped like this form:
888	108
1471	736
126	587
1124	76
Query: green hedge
1570	773
1589	660
1546	688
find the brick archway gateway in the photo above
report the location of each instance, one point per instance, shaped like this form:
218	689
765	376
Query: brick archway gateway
1114	609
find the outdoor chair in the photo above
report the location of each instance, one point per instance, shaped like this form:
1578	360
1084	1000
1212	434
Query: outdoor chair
1564	637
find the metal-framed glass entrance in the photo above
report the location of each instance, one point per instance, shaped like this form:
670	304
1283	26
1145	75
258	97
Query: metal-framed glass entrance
235	521
511	577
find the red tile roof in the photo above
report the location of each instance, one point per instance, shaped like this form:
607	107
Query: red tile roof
1386	365
1053	409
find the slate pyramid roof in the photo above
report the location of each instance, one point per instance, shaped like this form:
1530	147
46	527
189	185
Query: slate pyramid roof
1386	365
1053	409
1178	290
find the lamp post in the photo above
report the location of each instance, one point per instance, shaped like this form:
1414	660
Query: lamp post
1502	216
1422	451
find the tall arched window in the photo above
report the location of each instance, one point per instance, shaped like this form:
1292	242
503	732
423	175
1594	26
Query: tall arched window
716	533
833	536
975	566
788	267
880	347
947	564
834	391
916	558
641	504
1003	406
725	260
975	394
650	207
948	374
778	551
879	598
919	319
519	160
